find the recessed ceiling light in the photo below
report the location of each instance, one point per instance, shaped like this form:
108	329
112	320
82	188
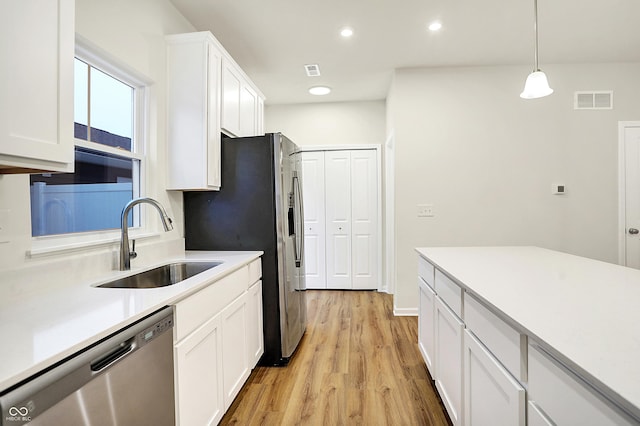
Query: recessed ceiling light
320	90
346	32
435	26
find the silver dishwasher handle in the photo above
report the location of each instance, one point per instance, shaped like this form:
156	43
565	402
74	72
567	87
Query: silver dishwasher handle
115	355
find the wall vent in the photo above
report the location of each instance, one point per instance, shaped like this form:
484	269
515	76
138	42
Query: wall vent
593	100
313	70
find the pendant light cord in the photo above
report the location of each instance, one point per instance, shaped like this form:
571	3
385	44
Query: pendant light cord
535	31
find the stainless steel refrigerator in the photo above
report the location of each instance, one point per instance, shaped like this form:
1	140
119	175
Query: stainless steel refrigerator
259	207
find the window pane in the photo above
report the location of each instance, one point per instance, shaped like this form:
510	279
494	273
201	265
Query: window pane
90	199
81	99
111	112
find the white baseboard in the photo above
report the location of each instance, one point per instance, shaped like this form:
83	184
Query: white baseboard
405	312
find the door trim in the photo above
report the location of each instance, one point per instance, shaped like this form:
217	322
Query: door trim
622	228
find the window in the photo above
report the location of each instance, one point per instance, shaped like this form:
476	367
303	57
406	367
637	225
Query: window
108	157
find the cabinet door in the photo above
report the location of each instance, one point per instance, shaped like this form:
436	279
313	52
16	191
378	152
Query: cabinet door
448	359
260	117
314	219
193	112
235	350
213	167
535	416
248	111
231	85
37	41
426	324
255	336
364	219
338	218
565	398
198	376
491	395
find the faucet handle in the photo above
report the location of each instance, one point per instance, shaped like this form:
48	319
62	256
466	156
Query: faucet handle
132	252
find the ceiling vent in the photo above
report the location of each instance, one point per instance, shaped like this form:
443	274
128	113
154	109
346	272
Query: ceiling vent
313	70
593	100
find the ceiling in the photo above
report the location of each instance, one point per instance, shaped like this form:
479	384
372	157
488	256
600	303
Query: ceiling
272	40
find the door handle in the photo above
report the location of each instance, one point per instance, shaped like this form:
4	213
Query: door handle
633	231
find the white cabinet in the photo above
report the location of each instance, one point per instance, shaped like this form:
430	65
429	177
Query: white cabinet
561	398
255	336
426	324
36	99
206	93
248	111
218	340
342	196
235	349
242	105
491	395
231	86
198	373
448	360
193	111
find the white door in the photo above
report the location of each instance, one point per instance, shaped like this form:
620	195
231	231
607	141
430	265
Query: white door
314	226
364	219
338	218
630	135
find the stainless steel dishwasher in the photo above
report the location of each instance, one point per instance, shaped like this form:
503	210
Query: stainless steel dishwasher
125	379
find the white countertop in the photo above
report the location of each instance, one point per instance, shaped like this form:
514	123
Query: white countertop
38	330
586	311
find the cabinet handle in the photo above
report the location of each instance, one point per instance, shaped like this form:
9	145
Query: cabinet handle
633	231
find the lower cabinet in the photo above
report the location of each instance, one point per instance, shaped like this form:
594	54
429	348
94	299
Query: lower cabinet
218	340
254	311
491	395
448	359
426	329
235	351
198	369
559	397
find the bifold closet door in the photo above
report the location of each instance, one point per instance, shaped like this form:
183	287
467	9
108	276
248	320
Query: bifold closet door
314	219
338	218
364	219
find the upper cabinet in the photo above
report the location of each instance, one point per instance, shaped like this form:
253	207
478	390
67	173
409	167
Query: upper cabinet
242	104
207	93
193	104
36	98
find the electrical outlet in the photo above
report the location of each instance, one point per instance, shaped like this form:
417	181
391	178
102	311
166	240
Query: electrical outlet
425	210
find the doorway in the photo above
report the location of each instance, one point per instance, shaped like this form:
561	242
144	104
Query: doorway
629	194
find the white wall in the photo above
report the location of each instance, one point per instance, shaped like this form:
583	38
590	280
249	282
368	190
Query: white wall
332	123
133	33
486	159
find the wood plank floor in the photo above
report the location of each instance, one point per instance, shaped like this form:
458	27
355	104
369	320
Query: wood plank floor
357	364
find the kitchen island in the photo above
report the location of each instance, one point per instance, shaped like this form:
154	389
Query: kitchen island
551	324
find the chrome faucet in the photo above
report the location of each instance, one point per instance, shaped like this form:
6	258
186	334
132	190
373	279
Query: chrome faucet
125	253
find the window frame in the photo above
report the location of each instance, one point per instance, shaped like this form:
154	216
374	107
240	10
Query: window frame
142	226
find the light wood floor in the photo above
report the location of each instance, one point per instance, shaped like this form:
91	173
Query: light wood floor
357	364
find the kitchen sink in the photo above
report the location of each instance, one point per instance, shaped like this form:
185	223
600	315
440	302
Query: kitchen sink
162	276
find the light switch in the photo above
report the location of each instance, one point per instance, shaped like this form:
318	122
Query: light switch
425	210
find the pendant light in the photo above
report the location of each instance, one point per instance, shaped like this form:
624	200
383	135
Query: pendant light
537	85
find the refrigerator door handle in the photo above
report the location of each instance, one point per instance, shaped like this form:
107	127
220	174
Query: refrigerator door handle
298	226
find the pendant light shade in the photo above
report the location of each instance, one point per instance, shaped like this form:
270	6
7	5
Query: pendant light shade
537	85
